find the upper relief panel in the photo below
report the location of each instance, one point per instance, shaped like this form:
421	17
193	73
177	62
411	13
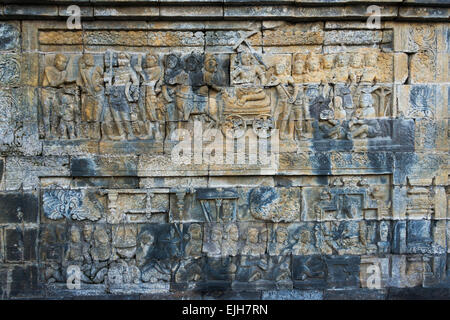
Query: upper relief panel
313	86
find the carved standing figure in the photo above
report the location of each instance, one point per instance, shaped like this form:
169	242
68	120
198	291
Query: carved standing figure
90	80
57	96
285	100
122	88
153	110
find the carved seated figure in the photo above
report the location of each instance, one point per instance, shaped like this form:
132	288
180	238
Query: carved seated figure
338	124
365	125
247	72
250	95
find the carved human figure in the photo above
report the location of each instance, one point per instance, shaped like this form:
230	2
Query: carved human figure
364	123
281	244
215	240
194	245
253	268
154	110
230	241
212	76
300	118
93	248
53	273
197	101
122	86
90	80
179	91
190	270
58	97
87	238
67	128
151	270
101	248
253	245
304	244
370	73
299	70
124	240
328	64
383	244
249	94
351	239
284	98
145	243
280	268
340	70
311	268
314	72
318	89
247	72
356	67
343	90
211	71
75	247
383	206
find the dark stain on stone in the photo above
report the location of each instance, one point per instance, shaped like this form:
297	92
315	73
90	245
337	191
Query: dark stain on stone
17	206
82	167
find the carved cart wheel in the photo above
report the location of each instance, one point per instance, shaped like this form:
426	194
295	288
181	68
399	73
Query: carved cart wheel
263	126
234	126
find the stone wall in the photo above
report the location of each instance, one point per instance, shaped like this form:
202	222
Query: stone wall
123	164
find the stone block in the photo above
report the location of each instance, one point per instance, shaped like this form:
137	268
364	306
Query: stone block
24	172
21	244
103	166
10	34
35	11
118	12
309	272
292	295
24	282
343	271
355	294
19	207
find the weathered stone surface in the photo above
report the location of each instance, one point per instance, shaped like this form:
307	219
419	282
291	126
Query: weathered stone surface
25	282
233	149
20	245
10	34
292	295
19	207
